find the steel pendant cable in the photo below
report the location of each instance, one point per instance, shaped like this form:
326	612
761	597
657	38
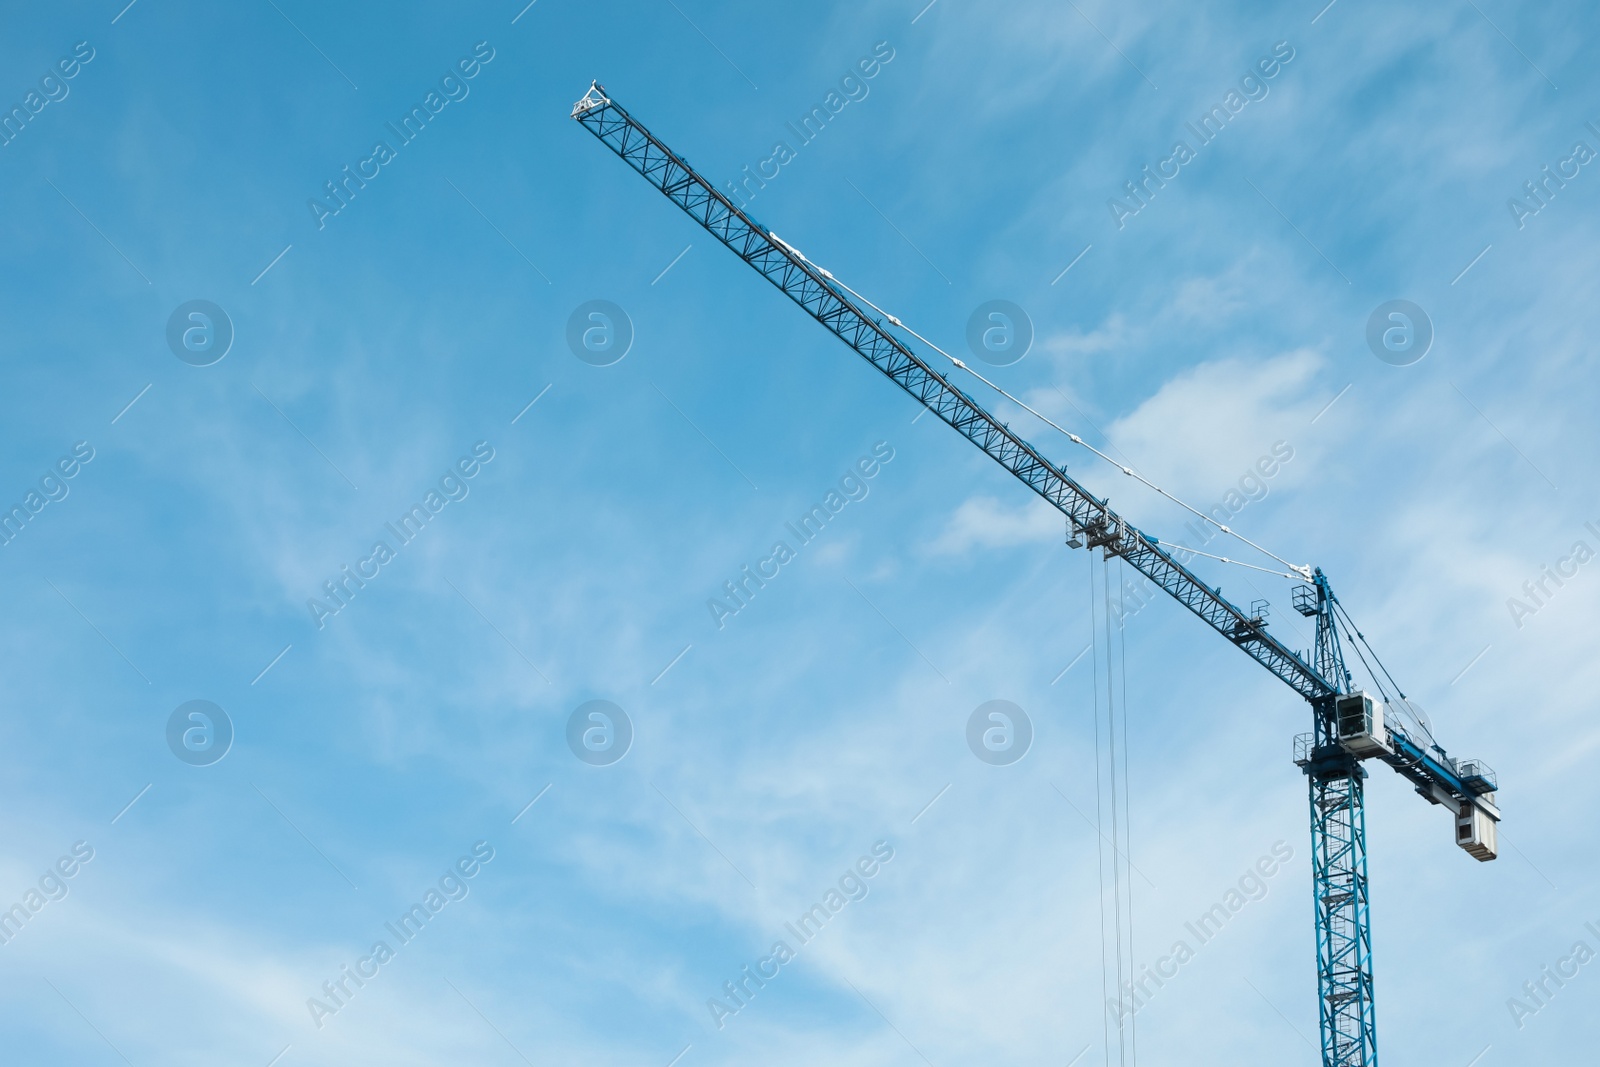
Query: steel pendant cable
1351	624
1300	571
1225	559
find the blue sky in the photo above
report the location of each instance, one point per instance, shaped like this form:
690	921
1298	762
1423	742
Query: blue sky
374	352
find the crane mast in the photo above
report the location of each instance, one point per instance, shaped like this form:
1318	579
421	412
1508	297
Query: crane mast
1349	725
1336	780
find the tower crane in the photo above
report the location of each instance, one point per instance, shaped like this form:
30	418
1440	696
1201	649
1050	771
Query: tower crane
1349	724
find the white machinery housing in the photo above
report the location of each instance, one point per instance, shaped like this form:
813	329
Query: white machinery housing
1475	832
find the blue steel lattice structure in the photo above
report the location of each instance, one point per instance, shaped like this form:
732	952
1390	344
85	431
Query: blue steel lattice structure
1332	767
1338	859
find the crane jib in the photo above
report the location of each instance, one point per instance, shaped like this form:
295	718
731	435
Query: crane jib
797	279
1349	726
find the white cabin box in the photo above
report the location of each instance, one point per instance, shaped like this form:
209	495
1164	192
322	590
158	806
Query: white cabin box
1360	721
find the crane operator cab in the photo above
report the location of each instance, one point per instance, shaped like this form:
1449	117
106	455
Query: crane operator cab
1360	721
